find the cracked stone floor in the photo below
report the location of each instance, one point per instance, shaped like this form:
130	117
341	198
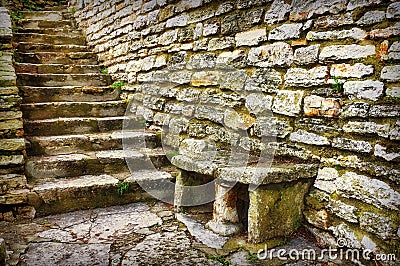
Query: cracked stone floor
134	234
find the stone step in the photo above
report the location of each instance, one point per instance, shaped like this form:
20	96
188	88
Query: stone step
54	80
45	15
79	125
44	47
39	169
68	94
67	144
91	191
55	68
51	31
37	24
50	39
50	110
77	58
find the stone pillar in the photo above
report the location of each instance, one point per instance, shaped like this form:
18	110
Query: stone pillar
225	216
276	210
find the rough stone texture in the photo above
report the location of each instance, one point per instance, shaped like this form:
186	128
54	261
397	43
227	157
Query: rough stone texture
286	31
288	102
340	52
3	253
358	70
393	11
391	73
270	126
264	80
306	78
250	38
306	55
381	226
319	106
278	11
371	17
381	130
308	138
284	208
380	151
302	9
257	103
368	89
277	54
355	33
352	145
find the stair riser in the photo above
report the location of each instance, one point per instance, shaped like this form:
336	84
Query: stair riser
59	58
85	144
44	24
56	69
32	94
62	127
62	80
34	47
49	15
51	31
50	39
72	199
45	171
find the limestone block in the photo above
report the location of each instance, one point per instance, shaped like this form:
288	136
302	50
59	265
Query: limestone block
275	210
288	102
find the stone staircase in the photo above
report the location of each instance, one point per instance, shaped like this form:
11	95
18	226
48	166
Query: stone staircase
73	120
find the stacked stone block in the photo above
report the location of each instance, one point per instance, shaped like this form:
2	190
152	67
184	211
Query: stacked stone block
328	71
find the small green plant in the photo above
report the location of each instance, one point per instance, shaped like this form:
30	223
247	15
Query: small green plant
337	86
122	187
220	259
390	99
73	11
104	70
297	223
16	16
252	257
118	84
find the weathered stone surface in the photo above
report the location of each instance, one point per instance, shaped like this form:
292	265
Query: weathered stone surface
270	126
258	103
220	43
224	8
353	4
168	37
286	31
306	78
379	225
343	210
12	181
180	77
306	55
380	151
319	106
250	38
196	149
381	130
354	33
278	11
394	51
332	21
202	234
210	29
393	11
303	9
391	73
3	254
360	187
368	89
205	78
394	134
187	4
288	102
371	17
308	138
213	113
237	121
340	52
274	211
384	111
356	109
386	32
276	54
12	144
343	231
202	61
358	70
178	21
231	60
264	80
352	145
233	80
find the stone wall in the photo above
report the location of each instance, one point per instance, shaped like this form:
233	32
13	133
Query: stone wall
319	77
12	143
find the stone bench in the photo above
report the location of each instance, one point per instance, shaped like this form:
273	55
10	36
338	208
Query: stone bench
275	192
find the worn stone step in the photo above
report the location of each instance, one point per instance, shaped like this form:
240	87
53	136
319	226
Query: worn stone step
45	15
97	162
91	191
50	110
51	31
78	58
50	39
54	80
68	94
38	23
44	47
67	144
79	125
55	68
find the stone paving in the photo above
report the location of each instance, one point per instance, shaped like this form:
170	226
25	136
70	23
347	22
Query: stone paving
134	234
